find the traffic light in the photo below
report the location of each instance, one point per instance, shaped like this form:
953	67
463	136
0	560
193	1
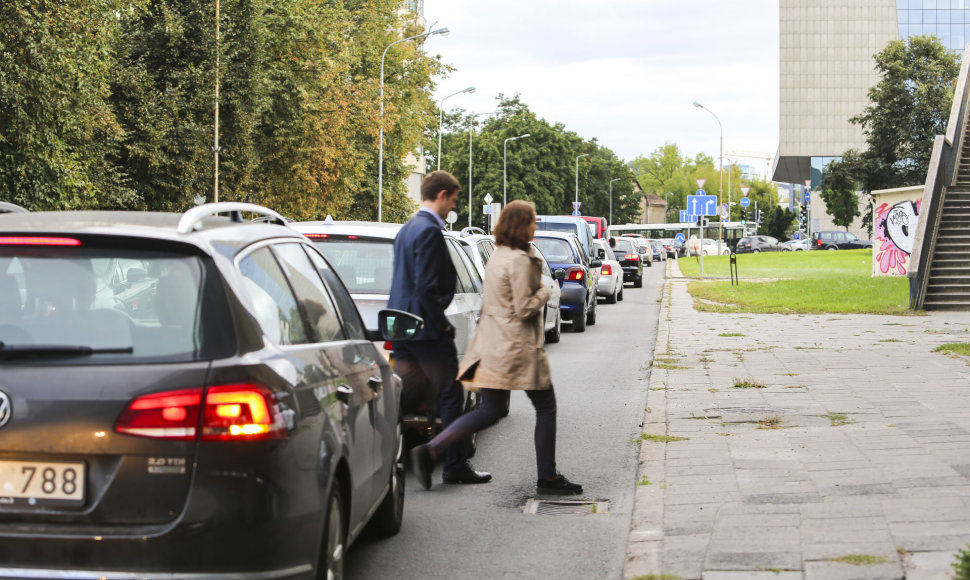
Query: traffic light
803	215
744	216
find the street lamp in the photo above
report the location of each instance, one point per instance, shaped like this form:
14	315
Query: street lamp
720	170
666	204
577	176
471	120
380	154
441	104
505	163
611	198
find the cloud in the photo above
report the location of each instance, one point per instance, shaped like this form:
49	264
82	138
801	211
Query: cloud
623	71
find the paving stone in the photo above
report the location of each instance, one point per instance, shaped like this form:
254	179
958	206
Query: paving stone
841	571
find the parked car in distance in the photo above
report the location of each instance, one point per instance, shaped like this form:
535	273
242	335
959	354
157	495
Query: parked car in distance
796	245
598	226
670	244
578	301
610	285
838	241
757	244
658	250
233	421
628	254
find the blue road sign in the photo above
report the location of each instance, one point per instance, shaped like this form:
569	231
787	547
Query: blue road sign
808	196
680	238
701	192
576	213
745	202
796	236
702	204
687	217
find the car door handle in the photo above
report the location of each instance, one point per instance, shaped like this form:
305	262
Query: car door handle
344	392
375	382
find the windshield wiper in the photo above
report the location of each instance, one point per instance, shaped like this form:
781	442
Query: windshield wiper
7	350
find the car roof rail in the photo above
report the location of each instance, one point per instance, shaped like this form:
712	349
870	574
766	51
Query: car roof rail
7	207
191	219
471	230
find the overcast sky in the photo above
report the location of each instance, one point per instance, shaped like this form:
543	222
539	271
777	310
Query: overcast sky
623	71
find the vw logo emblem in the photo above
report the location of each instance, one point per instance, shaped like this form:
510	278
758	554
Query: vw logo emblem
6	409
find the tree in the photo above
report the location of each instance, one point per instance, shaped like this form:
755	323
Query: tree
907	108
839	187
777	223
56	126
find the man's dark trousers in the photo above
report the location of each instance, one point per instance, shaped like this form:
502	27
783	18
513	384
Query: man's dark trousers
432	364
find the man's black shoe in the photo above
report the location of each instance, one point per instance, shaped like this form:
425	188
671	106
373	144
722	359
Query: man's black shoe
558	485
466	474
423	465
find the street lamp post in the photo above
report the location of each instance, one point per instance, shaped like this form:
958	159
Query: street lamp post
611	198
720	170
471	120
505	164
380	150
577	175
666	205
441	105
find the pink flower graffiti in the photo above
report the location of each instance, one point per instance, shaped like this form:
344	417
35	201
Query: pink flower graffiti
895	227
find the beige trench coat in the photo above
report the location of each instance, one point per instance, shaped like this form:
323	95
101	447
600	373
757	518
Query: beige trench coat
508	348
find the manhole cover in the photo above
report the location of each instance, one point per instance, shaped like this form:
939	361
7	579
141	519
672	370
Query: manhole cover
566	507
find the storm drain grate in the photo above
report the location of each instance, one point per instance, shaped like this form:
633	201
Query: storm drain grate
566	507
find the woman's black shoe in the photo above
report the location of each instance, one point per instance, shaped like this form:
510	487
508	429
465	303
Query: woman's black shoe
558	485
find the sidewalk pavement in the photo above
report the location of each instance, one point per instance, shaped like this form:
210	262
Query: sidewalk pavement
856	441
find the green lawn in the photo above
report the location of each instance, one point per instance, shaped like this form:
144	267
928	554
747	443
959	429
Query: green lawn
797	282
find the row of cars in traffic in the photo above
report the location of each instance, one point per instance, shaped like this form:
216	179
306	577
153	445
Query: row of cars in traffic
191	395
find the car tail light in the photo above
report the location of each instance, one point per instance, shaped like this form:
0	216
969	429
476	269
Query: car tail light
819	242
575	274
37	241
388	346
633	257
317	236
230	413
607	270
168	415
244	411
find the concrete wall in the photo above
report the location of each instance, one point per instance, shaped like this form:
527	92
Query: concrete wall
895	213
826	70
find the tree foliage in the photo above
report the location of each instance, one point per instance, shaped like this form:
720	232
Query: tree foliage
106	103
907	108
540	168
777	223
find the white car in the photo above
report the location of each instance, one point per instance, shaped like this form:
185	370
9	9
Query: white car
796	245
610	285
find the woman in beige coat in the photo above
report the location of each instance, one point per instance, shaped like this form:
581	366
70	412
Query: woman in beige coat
508	353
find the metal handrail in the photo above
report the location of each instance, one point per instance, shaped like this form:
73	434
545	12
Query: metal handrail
941	173
191	219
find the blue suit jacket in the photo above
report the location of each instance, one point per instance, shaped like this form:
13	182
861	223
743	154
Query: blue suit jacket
424	275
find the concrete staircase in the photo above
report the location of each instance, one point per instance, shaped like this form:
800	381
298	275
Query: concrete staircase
949	283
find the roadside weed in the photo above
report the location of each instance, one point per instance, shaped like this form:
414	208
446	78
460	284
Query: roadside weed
770	423
858	559
837	419
660	438
746	384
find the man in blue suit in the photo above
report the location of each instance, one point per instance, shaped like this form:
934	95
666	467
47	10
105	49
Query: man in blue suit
424	285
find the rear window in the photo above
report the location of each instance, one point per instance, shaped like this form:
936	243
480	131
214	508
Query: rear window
364	266
163	306
555	250
624	247
557	227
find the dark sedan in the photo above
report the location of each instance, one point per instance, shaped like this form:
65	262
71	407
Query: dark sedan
757	244
578	300
186	396
628	254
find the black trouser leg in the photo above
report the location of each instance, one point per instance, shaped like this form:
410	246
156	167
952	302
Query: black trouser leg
544	402
491	408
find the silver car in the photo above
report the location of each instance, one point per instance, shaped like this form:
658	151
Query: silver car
362	253
610	285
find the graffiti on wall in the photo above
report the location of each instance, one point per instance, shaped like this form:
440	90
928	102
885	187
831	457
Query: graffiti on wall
895	232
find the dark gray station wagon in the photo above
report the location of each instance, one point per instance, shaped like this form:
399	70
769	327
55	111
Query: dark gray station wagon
186	396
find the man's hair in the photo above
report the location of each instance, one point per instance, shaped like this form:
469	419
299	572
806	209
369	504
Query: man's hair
512	229
437	181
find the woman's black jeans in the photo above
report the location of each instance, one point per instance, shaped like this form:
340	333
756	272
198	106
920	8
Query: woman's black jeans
492	404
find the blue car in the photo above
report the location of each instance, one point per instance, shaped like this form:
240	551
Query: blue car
578	276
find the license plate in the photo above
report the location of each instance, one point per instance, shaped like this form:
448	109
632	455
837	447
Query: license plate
41	482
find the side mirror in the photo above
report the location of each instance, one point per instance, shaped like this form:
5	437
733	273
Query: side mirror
559	274
596	263
398	325
641	250
601	253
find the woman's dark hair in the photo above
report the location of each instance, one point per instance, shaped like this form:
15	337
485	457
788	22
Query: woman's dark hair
513	228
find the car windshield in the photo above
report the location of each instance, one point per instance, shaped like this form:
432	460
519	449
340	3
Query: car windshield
364	266
130	305
624	247
554	250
